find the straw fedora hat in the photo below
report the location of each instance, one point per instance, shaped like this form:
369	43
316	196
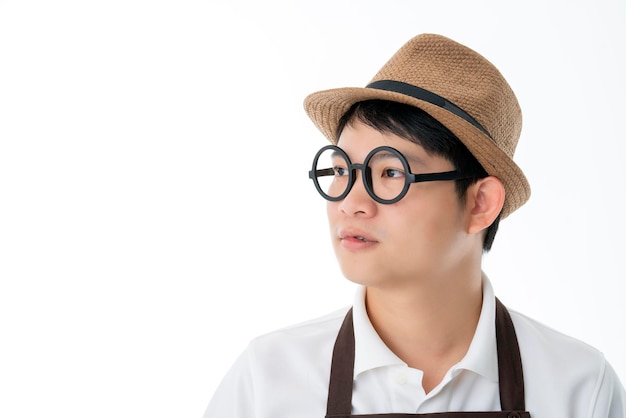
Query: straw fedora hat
455	85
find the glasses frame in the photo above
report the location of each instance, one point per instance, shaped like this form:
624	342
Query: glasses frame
409	177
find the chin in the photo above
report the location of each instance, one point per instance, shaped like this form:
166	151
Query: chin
360	275
360	269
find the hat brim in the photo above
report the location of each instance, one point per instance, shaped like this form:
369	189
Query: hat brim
326	107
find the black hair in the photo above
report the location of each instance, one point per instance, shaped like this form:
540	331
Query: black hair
417	126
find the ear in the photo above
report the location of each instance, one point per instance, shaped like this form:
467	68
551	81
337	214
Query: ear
485	201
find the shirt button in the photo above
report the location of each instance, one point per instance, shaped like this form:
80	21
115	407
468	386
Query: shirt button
400	378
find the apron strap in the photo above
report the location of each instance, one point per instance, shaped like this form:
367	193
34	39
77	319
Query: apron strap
510	372
509	366
342	370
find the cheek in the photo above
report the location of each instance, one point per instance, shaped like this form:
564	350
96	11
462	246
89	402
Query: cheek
332	216
331	210
427	222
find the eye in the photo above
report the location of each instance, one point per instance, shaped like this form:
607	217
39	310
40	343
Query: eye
393	173
340	171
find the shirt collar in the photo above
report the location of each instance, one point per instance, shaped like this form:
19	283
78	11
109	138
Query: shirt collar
370	350
481	357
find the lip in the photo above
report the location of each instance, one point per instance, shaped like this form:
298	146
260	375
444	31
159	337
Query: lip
354	239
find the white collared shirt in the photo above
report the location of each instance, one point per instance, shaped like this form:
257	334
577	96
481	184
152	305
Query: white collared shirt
285	373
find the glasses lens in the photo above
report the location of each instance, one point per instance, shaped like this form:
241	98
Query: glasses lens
387	174
331	173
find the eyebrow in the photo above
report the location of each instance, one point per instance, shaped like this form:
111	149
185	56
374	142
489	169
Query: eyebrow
411	159
336	154
381	155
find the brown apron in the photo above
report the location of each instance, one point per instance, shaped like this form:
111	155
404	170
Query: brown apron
509	371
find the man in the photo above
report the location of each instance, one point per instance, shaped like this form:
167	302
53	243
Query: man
417	177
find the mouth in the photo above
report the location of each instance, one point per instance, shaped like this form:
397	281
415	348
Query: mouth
359	238
356	237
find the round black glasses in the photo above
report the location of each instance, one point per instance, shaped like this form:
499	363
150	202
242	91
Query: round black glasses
386	174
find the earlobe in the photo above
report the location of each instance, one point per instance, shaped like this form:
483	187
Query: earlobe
486	199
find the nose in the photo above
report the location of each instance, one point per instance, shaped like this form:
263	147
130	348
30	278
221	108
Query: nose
358	202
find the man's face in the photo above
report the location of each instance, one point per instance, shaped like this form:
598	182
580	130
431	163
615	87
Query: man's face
421	237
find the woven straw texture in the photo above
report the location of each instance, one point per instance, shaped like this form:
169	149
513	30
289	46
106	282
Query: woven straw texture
463	77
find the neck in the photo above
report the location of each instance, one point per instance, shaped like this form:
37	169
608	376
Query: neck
430	325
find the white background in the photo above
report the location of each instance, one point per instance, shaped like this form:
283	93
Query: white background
155	210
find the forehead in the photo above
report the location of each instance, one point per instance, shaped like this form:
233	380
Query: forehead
358	139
